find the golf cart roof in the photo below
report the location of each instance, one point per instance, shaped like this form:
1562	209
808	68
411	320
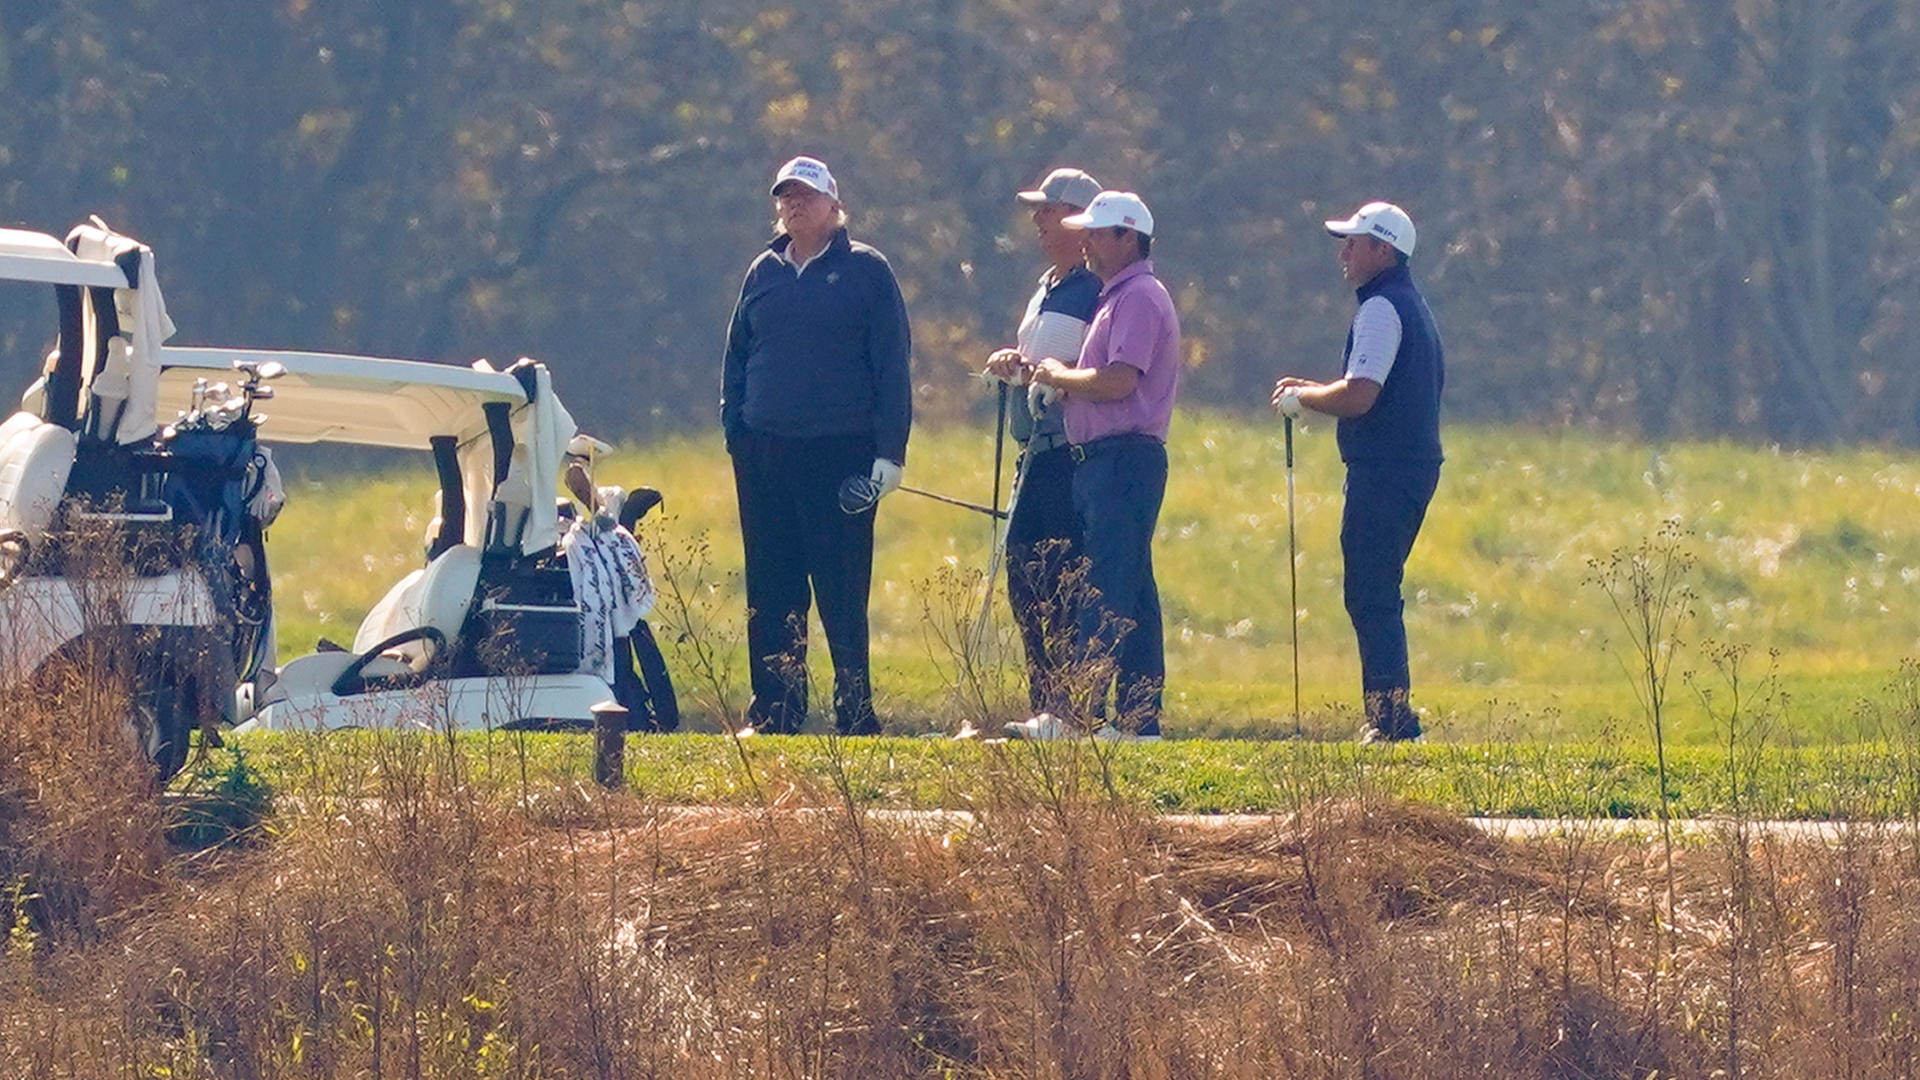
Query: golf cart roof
32	256
362	400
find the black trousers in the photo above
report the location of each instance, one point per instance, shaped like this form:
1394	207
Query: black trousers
1118	489
801	548
1386	502
1043	549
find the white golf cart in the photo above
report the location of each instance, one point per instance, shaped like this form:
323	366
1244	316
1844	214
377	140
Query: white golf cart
485	634
124	545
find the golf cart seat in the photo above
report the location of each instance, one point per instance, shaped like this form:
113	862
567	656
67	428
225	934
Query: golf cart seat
427	608
36	458
419	619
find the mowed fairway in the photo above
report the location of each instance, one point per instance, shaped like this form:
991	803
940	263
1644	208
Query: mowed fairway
1814	555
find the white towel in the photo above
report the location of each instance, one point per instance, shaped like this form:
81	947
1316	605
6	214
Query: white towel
128	387
611	585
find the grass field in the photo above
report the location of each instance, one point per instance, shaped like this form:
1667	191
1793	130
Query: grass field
380	903
1809	554
1861	781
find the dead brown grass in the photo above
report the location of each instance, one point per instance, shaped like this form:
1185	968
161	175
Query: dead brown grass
452	927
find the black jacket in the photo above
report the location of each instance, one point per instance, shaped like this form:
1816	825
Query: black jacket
823	352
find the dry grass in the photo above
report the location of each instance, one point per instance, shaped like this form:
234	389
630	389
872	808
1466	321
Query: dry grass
455	927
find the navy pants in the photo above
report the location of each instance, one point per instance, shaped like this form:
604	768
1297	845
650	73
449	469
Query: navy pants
1118	488
1385	504
802	548
1043	545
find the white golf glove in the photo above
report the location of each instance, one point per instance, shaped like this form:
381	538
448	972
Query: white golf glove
886	476
1041	398
1290	405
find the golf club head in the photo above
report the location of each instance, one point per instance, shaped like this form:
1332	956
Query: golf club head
858	494
639	501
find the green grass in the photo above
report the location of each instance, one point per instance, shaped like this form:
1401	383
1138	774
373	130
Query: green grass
1197	776
1810	554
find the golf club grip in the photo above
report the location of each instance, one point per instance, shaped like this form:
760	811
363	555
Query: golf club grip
1289	442
999	449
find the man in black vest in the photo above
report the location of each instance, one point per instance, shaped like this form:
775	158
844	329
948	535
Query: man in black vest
815	390
1388	405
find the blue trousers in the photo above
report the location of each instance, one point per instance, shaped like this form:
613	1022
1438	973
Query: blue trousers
1117	488
1385	504
1043	547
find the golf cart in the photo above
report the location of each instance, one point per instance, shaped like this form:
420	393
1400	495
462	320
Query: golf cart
128	550
484	634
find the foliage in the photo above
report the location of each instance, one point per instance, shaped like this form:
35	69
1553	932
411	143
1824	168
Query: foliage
223	799
1668	217
437	908
1808	553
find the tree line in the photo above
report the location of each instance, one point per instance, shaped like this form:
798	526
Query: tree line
1669	218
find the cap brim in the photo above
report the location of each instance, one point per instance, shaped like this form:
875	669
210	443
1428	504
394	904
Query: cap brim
1031	198
1078	221
775	189
1342	228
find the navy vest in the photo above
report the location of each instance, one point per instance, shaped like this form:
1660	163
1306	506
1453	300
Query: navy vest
1404	423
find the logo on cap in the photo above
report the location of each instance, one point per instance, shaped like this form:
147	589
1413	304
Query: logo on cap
809	171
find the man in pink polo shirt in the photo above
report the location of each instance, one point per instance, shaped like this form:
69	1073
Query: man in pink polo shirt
1118	403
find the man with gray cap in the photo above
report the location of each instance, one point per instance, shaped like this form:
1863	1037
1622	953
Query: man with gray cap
1118	403
1388	405
815	390
1043	535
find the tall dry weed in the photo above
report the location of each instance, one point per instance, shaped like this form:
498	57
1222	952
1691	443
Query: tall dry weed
426	909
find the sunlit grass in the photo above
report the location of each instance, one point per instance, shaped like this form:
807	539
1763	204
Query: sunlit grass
1575	779
1813	554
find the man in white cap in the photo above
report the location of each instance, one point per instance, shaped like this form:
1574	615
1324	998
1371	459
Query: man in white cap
815	390
1043	536
1118	404
1388	405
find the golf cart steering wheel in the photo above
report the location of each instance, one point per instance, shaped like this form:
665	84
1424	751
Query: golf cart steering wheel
14	548
350	682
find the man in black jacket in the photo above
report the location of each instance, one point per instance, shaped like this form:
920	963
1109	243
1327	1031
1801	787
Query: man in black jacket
815	390
1388	404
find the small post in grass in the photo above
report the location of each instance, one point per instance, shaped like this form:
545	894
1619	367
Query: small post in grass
610	745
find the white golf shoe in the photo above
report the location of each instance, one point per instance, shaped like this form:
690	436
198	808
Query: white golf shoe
1042	726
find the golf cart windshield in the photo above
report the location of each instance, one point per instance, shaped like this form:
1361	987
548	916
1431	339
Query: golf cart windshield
498	437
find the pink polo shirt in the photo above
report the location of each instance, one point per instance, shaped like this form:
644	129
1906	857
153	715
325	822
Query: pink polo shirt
1134	325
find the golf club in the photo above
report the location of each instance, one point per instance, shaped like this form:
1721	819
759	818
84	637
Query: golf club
1293	583
999	546
858	494
999	450
951	501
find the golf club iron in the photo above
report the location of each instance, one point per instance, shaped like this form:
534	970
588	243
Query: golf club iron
999	548
999	451
1293	583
